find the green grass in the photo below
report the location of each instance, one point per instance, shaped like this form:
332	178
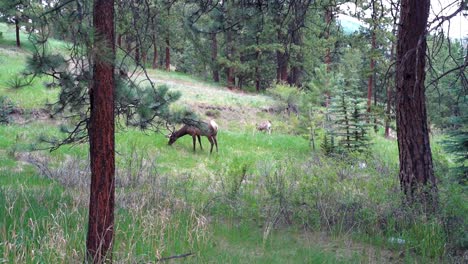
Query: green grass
12	63
202	92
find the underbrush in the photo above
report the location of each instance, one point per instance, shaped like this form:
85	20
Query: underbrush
171	201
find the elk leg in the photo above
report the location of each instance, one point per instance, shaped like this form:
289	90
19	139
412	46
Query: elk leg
211	142
199	141
216	142
194	142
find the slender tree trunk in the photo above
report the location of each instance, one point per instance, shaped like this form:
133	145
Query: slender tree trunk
416	169
101	138
137	53
155	52
168	44
230	79
128	44
144	56
168	53
388	111
257	65
214	57
282	59
370	82
328	20
17	27
119	40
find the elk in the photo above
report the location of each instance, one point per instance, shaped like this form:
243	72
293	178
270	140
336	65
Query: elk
209	130
265	126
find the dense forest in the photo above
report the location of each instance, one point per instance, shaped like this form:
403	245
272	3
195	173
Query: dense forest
337	122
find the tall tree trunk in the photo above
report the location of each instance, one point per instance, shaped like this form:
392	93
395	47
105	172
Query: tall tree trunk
370	82
257	64
282	61
17	27
296	70
388	110
168	53
230	79
214	57
119	40
328	21
155	52
281	56
128	44
168	44
144	56
416	169
101	138
137	53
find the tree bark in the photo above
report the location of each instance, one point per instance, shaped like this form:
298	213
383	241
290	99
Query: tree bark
416	175
230	78
328	20
168	53
137	53
214	56
370	82
389	89
101	138
155	52
119	40
144	56
257	65
17	27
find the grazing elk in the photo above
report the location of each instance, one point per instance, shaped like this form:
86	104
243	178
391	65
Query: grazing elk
265	126
209	130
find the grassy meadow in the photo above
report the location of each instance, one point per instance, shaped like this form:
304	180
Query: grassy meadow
261	199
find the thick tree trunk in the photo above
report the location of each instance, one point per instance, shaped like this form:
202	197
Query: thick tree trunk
416	169
17	27
155	52
101	139
168	53
214	57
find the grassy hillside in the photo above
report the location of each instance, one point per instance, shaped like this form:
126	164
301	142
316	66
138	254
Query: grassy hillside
261	199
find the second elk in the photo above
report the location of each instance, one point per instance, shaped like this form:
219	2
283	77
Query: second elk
265	126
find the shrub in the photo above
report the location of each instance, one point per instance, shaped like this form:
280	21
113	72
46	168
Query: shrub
7	107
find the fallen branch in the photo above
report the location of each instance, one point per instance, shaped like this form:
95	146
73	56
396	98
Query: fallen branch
175	257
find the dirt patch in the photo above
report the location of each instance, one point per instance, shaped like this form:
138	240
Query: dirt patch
22	116
345	248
